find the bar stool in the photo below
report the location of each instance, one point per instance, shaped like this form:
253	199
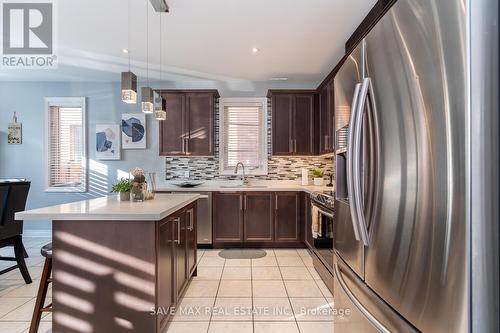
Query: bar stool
42	289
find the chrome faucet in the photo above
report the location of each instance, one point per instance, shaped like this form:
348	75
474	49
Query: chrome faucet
244	178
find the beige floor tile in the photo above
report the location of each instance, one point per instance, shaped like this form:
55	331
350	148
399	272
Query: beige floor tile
188	327
24	312
44	327
236	273
208	273
266	273
14	327
290	261
34	261
194	309
47	318
302	288
212	261
286	253
312	309
331	302
35	273
229	327
308	261
9	304
275	327
238	262
315	326
232	309
269	252
235	288
272	309
269	288
28	290
295	273
304	253
202	289
6	286
265	262
324	289
314	273
212	253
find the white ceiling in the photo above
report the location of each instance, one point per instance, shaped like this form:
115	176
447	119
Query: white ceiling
202	39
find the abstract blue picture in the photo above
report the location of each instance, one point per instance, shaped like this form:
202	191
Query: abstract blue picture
107	142
133	131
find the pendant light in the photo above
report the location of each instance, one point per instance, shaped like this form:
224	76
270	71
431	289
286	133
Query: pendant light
160	113
129	79
147	100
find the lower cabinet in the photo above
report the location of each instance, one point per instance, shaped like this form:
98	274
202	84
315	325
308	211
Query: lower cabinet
288	216
308	237
176	260
258	218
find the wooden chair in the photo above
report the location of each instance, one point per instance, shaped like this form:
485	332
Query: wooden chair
45	280
13	195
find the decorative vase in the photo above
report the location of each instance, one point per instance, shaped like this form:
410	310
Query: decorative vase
124	196
150	187
318	181
137	192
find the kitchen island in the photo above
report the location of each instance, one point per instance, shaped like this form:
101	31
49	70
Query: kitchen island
120	266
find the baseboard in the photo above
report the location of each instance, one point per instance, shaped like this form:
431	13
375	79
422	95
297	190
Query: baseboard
37	233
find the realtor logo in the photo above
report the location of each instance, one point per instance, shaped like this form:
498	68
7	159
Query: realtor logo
28	34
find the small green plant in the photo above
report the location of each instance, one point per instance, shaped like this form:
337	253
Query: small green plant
124	185
317	173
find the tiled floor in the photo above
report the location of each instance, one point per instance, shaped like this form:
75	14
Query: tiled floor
17	299
278	293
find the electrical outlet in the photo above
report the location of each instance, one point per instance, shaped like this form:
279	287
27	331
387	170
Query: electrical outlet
186	174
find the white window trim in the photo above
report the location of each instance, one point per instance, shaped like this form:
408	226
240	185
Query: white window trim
66	102
239	101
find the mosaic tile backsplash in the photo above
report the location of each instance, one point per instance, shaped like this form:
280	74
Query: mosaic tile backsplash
279	167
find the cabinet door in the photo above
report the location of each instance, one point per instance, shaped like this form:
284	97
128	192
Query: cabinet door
200	115
287	220
324	120
191	239
228	217
180	253
308	237
258	217
173	131
165	270
331	117
303	120
282	124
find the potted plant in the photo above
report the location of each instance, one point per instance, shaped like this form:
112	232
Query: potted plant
318	176
123	188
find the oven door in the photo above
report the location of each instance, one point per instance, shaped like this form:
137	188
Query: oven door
322	230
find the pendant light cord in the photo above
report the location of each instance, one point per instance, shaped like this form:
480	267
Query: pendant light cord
147	42
128	33
161	69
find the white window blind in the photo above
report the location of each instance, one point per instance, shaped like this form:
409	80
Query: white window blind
243	137
66	148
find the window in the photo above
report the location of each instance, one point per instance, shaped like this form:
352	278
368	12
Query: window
65	144
243	135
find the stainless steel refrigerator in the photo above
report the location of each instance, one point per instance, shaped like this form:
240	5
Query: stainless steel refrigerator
404	163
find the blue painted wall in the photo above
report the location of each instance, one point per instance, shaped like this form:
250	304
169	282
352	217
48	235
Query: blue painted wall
103	106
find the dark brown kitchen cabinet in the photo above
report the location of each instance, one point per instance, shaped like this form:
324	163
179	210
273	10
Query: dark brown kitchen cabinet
258	218
293	122
287	217
326	119
165	277
308	237
227	210
190	125
180	247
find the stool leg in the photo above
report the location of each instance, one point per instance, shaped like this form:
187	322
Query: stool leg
40	298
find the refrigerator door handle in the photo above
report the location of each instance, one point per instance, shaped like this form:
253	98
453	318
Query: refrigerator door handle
357	303
350	158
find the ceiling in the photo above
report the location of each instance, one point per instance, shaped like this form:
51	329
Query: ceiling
203	40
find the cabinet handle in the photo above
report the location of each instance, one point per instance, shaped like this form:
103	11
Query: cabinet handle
294	145
187	145
183	145
245	203
241	202
178	221
276	202
290	145
191	220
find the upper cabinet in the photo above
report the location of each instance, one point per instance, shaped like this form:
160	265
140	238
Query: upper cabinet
326	126
190	125
293	122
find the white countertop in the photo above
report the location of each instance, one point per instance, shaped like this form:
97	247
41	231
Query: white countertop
232	186
111	209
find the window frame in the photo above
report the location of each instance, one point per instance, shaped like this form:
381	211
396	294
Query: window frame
65	102
244	101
